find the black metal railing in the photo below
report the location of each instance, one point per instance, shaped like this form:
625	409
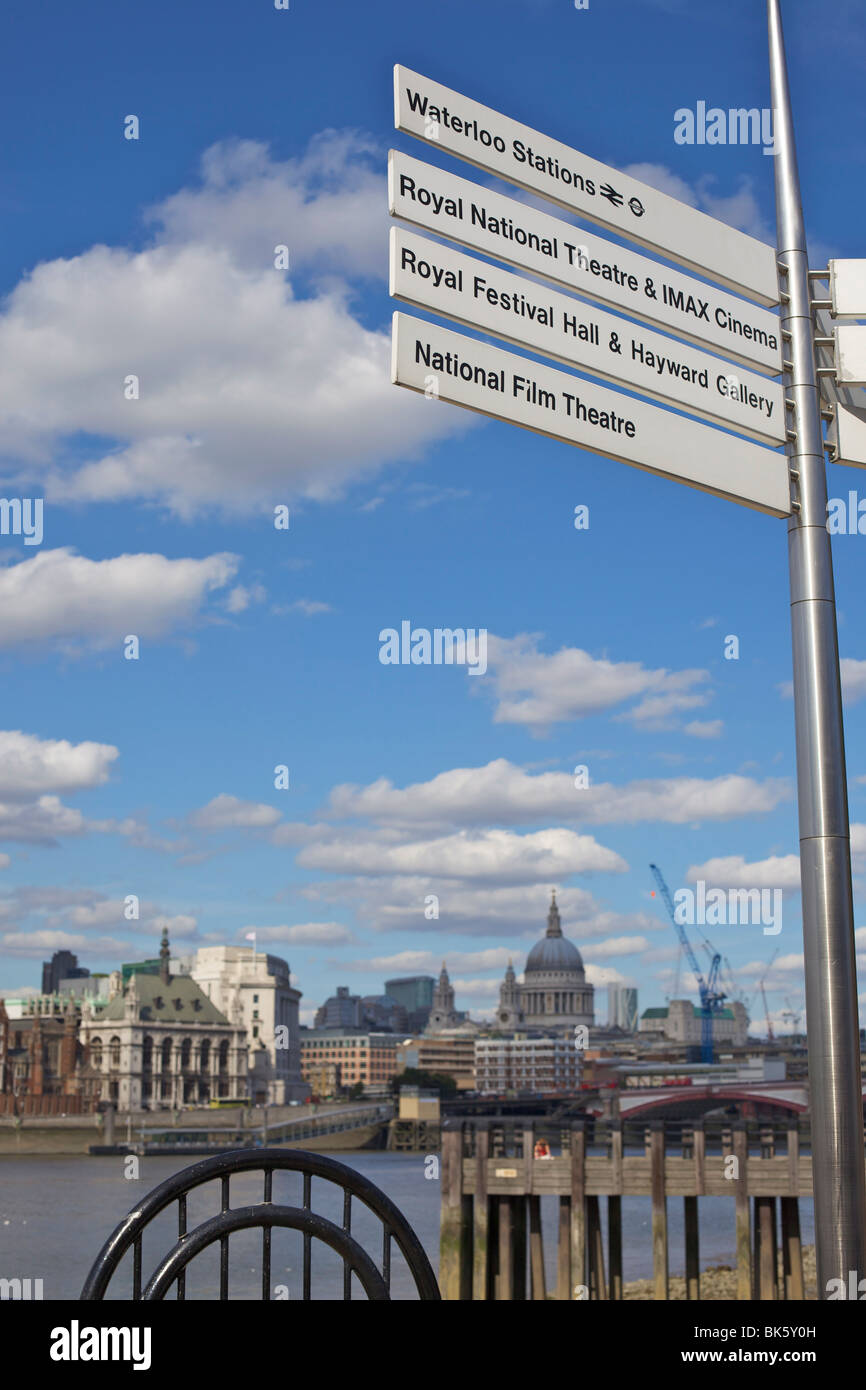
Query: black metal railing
172	1266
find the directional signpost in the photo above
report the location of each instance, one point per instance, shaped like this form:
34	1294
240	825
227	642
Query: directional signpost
851	354
577	260
469	373
447	282
581	185
722	379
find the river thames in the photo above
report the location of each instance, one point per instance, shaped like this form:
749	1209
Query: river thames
55	1213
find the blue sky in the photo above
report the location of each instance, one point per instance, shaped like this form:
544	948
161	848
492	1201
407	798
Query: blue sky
260	387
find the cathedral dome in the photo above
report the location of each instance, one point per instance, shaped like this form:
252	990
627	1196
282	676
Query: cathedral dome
553	951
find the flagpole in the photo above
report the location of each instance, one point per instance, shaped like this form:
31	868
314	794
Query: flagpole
835	1088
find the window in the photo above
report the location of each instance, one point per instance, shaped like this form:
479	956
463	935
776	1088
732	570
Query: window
114	1051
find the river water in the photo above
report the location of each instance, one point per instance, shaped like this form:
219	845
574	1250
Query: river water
55	1213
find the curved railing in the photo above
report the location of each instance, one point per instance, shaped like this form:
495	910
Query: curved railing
171	1269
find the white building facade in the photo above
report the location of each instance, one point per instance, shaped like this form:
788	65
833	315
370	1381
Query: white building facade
256	988
161	1044
523	1063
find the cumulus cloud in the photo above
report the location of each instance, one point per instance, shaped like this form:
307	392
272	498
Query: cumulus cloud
226	812
485	855
253	383
35	944
502	792
399	903
539	690
30	765
853	679
734	872
66	599
303	934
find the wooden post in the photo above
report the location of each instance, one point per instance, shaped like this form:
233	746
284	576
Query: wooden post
614	1212
454	1261
518	1276
595	1250
699	1154
578	1213
693	1261
659	1210
536	1250
505	1280
741	1188
563	1251
792	1250
493	1248
480	1214
765	1249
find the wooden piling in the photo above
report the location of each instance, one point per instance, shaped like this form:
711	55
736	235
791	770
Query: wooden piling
614	1213
518	1249
765	1250
563	1251
536	1251
505	1276
480	1215
741	1190
792	1250
595	1250
455	1276
578	1213
659	1210
693	1260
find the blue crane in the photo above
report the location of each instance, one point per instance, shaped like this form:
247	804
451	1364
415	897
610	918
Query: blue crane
711	996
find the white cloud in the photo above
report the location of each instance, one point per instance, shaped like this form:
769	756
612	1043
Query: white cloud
226	812
706	728
853	679
254	384
614	946
485	855
501	792
35	944
538	690
304	934
309	607
30	765
66	599
733	872
328	206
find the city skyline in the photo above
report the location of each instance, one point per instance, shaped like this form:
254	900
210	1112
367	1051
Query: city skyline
258	767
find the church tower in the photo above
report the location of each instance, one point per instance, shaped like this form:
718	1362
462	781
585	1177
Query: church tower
510	1014
442	1013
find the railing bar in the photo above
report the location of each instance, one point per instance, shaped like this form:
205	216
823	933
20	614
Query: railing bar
224	1268
224	1191
266	1263
181	1231
308	1245
136	1269
386	1257
308	1183
347	1226
269	1183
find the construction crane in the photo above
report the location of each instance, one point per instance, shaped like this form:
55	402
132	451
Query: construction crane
710	994
770	1034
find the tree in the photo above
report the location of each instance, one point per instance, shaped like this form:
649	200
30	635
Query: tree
427	1080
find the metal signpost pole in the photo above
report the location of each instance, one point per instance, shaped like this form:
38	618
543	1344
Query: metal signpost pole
825	853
